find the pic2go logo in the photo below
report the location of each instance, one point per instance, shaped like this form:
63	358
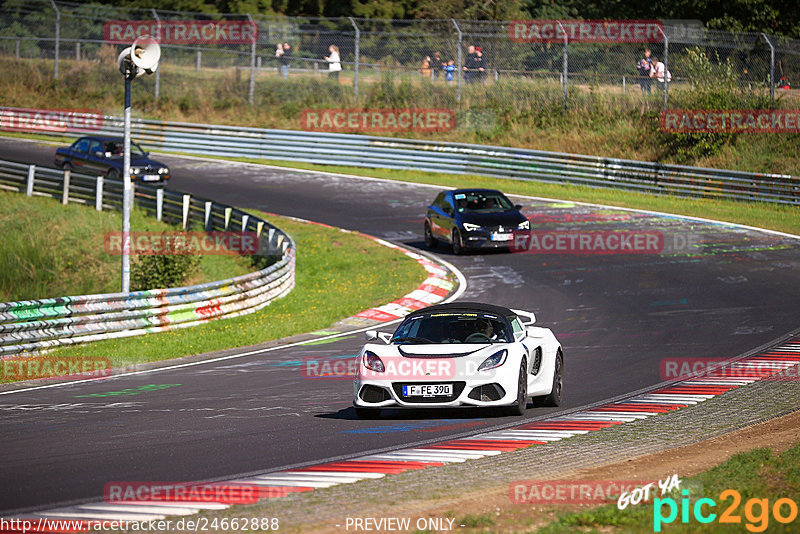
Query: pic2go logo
756	511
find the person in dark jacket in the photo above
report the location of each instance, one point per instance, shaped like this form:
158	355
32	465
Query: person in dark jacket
284	55
472	65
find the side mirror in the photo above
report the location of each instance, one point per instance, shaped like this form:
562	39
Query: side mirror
518	206
374	335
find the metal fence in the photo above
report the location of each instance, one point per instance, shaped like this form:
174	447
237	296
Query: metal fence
28	326
371	50
456	158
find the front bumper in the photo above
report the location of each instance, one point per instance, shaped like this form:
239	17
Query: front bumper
492	391
489	238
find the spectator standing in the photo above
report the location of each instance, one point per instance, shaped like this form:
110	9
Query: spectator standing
644	66
426	68
659	72
481	64
470	65
437	64
334	62
284	55
449	70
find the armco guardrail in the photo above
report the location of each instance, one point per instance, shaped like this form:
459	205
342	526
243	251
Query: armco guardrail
32	325
500	162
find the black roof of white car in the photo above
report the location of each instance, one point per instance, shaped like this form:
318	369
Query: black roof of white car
465	307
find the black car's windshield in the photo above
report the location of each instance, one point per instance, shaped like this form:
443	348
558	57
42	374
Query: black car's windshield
452	327
114	149
482	202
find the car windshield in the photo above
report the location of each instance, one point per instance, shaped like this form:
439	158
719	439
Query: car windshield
114	149
452	327
482	202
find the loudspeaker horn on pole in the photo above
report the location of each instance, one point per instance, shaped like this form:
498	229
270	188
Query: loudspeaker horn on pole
140	58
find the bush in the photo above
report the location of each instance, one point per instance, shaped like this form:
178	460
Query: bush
716	87
161	271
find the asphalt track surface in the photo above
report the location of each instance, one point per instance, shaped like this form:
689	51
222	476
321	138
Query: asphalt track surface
618	317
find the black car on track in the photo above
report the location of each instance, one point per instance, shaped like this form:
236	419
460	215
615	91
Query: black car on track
103	156
473	219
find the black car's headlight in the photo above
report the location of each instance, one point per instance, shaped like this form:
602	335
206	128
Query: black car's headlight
495	360
525	225
373	362
469	227
163	170
135	170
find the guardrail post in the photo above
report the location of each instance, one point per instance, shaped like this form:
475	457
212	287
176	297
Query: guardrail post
245	219
198	60
252	90
771	70
16	50
458	65
159	204
207	217
186	200
565	77
58	37
258	65
259	228
623	85
98	194
157	88
77	50
29	186
357	50
65	190
666	69
227	217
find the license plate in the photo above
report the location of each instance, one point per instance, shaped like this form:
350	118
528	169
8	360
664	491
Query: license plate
502	237
151	177
428	390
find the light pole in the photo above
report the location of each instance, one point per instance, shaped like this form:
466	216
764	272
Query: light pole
139	58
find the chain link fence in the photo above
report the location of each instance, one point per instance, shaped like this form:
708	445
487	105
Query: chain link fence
458	64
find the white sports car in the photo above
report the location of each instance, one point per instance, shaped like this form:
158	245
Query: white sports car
460	354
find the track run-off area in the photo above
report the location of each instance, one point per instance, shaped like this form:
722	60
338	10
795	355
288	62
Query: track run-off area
712	291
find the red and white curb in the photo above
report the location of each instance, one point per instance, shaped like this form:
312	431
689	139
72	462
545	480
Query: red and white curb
434	289
280	484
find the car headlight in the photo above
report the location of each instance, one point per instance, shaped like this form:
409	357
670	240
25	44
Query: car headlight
373	362
469	227
135	170
495	360
163	170
526	225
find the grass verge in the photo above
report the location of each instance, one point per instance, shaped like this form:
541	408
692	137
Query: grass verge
759	477
51	250
518	112
338	274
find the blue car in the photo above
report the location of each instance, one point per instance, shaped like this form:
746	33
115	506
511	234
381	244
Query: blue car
103	156
473	219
